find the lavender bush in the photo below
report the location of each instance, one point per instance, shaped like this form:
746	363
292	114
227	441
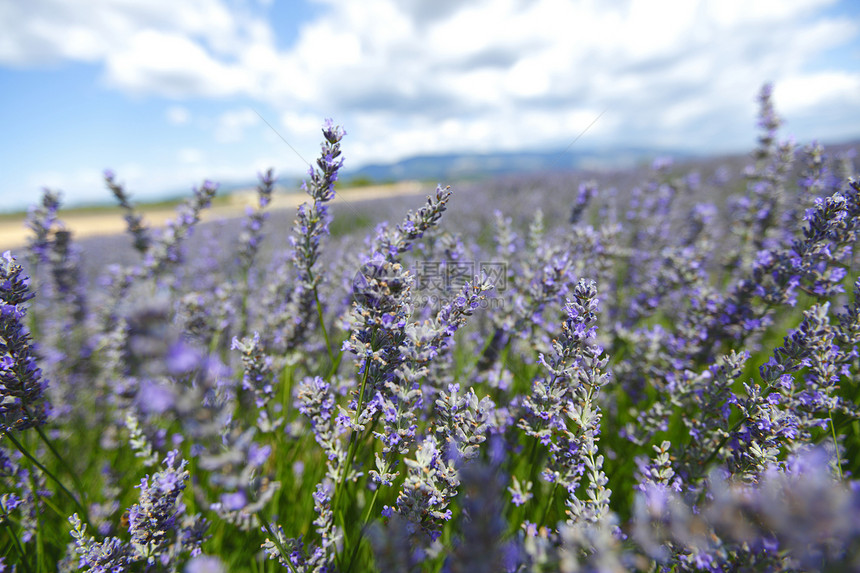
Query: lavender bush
659	376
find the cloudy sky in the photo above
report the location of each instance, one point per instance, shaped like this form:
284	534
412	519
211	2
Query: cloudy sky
168	92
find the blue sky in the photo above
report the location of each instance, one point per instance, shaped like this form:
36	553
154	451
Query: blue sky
167	92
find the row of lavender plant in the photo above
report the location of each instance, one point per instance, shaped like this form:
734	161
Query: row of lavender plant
660	375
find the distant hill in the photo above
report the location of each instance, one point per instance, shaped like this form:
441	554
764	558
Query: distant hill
450	167
473	165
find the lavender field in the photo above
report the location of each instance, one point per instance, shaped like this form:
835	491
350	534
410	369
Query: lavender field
650	370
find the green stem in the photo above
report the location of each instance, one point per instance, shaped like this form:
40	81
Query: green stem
335	365
322	325
372	502
350	454
364	522
78	485
353	441
40	540
48	473
835	445
61	514
215	342
355	550
533	454
243	304
474	364
277	541
18	548
548	505
517	513
287	391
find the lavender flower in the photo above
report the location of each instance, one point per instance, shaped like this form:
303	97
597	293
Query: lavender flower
316	401
520	493
430	484
26	496
22	404
297	300
250	240
714	449
393	242
205	564
237	472
536	285
42	220
395	547
164	252
251	236
156	523
258	378
481	547
791	518
52	246
134	221
463	421
106	556
569	393
293	554
161	532
312	220
396	368
786	410
584	195
811	265
755	215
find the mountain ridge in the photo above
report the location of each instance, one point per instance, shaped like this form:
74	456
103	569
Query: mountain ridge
450	166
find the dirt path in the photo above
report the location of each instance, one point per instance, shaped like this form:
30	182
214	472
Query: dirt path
14	234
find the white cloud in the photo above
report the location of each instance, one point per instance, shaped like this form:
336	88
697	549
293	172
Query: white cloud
190	155
298	124
51	30
231	125
485	66
802	92
175	65
178	115
79	185
419	76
